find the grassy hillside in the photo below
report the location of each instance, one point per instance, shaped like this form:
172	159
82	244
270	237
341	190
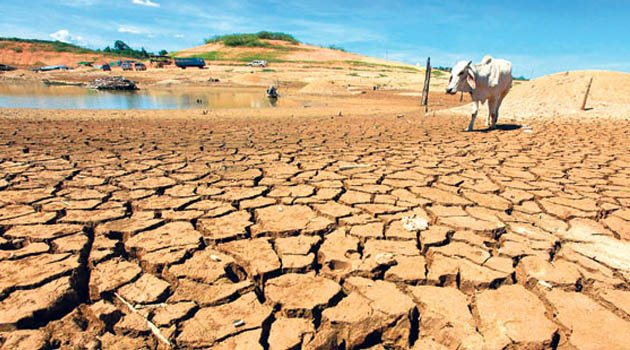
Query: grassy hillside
27	53
15	44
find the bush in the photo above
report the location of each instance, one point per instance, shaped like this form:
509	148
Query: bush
277	36
251	40
334	47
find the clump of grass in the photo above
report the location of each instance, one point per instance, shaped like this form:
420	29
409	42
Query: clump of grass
382	75
17	49
268	70
437	73
353	74
277	36
335	47
252	40
337	68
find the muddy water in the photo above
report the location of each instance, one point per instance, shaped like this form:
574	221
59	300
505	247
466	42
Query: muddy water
73	97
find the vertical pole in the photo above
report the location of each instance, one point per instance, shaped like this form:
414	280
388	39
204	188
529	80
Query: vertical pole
588	89
425	91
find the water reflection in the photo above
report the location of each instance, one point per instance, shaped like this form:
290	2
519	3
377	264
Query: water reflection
72	97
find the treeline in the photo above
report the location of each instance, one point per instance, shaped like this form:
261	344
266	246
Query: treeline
122	49
252	40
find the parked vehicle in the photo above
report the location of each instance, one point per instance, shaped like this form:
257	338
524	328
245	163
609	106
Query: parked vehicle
140	66
257	63
160	61
106	67
127	65
183	63
5	68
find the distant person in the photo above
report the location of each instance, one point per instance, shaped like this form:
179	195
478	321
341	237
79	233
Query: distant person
272	92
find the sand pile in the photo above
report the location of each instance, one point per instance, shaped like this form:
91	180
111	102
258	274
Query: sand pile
325	87
562	94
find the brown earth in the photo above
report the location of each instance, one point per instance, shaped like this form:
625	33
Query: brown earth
246	230
562	94
291	52
29	55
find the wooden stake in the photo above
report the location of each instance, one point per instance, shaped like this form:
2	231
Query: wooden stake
425	91
588	89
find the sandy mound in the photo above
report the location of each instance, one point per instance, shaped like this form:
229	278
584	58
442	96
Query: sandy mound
325	87
562	94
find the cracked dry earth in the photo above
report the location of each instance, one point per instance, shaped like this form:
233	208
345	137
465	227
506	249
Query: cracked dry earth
314	233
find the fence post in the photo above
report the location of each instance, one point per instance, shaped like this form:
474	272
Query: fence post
425	91
588	89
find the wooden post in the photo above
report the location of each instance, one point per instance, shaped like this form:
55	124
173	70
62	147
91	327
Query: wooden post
588	89
425	91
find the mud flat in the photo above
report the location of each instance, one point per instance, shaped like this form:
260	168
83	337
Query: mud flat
381	228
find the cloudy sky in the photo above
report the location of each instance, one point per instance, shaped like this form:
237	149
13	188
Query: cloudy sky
539	37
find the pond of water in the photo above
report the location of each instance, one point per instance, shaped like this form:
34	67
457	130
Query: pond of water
74	97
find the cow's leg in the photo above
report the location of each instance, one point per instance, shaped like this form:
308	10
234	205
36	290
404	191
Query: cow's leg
496	115
492	111
474	115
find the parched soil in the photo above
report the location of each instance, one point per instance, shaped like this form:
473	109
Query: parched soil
312	232
562	94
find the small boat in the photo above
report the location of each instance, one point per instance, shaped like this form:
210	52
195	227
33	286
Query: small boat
61	82
49	68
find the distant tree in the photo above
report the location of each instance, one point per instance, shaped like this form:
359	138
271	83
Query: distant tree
107	49
121	46
163	53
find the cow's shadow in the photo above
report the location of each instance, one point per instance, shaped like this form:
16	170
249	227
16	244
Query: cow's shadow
500	127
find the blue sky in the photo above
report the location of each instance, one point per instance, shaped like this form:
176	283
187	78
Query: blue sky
539	37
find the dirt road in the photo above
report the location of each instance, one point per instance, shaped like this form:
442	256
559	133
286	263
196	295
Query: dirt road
313	232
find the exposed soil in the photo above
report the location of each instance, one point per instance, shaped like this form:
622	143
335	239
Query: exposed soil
22	55
562	94
374	229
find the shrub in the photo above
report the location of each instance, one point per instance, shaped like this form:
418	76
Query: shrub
334	47
251	40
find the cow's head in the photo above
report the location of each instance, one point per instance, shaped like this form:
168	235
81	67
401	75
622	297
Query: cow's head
462	78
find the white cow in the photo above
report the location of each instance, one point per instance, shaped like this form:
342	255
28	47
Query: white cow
489	80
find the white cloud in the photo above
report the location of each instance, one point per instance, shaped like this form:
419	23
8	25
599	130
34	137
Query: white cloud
129	29
145	3
64	35
179	36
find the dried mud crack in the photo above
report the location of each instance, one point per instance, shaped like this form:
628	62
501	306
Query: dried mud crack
313	233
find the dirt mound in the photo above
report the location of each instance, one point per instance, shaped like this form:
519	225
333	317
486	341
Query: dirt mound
562	94
24	55
281	50
325	87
